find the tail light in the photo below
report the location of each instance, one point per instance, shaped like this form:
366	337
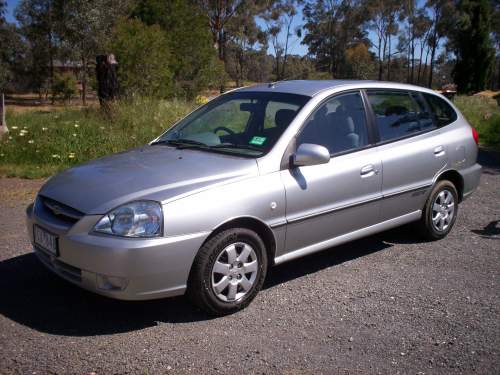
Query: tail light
475	136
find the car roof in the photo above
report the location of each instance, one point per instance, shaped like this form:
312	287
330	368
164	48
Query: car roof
314	87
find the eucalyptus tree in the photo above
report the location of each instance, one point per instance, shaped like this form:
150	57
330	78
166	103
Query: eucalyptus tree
279	18
330	28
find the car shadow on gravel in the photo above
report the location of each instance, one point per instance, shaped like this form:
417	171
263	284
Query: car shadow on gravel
31	295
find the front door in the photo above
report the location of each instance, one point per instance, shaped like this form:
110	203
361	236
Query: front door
329	200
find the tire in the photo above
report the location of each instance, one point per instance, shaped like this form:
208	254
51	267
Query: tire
440	211
218	282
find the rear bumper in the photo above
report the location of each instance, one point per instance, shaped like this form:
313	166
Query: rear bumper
145	268
471	177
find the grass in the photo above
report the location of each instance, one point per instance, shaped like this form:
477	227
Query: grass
40	144
483	113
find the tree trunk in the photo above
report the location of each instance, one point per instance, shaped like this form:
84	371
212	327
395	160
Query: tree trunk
380	61
84	82
389	60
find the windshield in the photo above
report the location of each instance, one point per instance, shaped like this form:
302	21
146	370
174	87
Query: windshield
245	123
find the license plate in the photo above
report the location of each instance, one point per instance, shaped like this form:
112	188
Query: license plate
45	240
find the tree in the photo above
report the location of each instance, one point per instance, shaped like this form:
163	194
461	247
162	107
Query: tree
360	61
332	26
441	21
244	35
279	18
473	46
85	28
37	25
142	53
221	13
188	38
383	15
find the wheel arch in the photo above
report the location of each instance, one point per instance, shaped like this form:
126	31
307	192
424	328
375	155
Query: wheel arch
254	224
455	178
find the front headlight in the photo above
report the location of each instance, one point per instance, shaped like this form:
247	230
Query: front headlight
135	219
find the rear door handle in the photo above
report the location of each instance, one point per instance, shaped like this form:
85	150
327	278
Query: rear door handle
439	151
368	171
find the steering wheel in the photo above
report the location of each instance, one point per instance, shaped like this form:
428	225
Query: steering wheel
223	128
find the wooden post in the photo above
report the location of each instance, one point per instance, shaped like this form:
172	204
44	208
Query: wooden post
3	123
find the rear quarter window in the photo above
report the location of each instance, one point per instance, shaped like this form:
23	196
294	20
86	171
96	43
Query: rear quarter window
443	112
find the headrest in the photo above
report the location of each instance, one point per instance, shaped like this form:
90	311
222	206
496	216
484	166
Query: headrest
284	117
343	124
396	110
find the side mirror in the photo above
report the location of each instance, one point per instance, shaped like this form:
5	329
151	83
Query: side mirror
310	154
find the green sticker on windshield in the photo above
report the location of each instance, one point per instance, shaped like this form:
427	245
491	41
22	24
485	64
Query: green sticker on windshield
258	141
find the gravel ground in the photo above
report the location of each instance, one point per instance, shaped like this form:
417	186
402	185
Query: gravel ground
387	304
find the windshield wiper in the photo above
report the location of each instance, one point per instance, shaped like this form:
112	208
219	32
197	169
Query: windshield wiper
181	142
238	145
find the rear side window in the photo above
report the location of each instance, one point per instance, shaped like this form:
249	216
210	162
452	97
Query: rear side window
444	113
399	114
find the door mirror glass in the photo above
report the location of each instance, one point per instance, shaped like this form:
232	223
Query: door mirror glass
310	154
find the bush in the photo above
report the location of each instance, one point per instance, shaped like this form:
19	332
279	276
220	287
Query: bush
64	87
484	114
143	58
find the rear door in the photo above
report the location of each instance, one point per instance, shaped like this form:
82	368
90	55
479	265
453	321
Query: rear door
411	147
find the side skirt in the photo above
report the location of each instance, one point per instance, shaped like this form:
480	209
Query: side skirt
380	227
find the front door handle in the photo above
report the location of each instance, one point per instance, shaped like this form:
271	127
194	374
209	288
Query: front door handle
439	151
368	171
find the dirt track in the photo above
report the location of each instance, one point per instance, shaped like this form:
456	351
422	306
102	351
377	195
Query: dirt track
387	304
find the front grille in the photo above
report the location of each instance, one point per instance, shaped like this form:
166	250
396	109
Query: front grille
70	272
61	210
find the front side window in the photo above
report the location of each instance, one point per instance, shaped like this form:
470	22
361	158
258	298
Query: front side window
339	124
246	123
399	114
444	113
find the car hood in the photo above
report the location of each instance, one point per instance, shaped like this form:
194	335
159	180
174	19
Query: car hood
160	173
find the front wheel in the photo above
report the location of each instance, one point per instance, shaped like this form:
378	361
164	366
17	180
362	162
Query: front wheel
440	211
228	271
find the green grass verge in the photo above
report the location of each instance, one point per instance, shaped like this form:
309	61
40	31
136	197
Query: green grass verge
484	114
40	144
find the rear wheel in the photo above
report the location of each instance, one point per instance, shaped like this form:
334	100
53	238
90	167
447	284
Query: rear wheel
228	271
440	211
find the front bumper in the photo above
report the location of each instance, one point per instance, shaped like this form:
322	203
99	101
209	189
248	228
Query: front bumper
149	268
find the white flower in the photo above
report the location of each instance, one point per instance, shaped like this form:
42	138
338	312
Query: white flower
102	127
21	134
44	129
76	125
13	127
71	155
2	155
74	134
55	156
31	141
10	137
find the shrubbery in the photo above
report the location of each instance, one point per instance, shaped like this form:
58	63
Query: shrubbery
64	87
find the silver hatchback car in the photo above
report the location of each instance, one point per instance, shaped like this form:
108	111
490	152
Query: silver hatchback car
256	177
